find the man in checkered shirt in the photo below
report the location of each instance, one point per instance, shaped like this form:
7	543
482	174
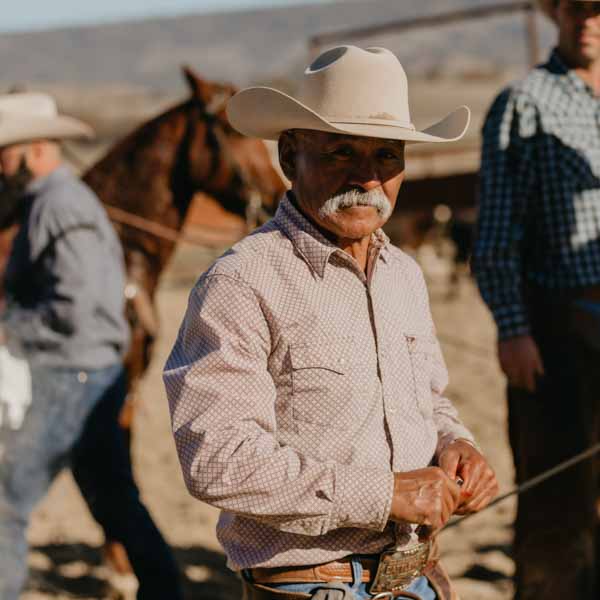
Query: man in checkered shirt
537	263
306	384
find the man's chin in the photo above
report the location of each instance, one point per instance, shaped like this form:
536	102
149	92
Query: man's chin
354	223
589	52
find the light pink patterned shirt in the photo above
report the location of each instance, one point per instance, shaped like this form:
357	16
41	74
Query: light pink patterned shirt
297	386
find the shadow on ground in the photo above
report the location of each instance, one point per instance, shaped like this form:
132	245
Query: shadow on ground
483	573
77	571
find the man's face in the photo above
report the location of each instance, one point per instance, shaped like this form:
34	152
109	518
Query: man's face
11	158
15	175
579	31
347	184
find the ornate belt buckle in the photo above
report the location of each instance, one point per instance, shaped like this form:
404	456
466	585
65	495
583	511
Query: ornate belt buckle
397	568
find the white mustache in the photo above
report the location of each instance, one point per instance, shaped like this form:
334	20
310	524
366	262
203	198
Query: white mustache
375	198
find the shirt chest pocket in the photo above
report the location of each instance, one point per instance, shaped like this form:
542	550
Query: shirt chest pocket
421	351
321	384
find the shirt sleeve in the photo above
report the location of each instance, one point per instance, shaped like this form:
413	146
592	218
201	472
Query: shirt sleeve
72	255
507	178
445	416
222	402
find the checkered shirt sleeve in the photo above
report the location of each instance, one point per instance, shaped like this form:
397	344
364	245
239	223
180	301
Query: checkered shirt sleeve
507	180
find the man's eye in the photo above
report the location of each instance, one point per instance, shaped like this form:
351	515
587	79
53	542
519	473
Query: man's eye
342	152
388	155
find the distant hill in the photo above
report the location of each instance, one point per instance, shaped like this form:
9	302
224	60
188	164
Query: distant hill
254	46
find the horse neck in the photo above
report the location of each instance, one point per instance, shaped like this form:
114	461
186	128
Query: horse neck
141	176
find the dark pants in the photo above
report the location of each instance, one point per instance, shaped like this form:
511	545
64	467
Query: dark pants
556	542
102	468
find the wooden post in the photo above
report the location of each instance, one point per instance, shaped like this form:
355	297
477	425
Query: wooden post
533	46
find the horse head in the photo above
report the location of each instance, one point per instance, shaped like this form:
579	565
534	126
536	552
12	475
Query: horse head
247	167
156	170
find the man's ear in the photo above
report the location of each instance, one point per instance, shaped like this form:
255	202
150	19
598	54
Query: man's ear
287	147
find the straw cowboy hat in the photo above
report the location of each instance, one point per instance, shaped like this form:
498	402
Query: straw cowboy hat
547	6
345	90
32	116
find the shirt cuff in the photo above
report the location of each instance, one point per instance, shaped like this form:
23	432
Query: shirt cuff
511	322
449	437
363	498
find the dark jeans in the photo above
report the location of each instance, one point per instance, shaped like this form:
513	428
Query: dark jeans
74	414
102	468
556	541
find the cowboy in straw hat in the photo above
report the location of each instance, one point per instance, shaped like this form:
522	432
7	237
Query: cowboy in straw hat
301	406
64	286
25	117
537	262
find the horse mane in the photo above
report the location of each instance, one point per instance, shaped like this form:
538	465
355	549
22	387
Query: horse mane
134	162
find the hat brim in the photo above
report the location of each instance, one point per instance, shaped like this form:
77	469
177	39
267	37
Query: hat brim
265	113
548	8
17	129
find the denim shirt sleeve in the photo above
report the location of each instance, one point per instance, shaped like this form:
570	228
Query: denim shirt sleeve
63	255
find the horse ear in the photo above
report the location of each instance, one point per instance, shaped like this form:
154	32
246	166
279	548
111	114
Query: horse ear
201	90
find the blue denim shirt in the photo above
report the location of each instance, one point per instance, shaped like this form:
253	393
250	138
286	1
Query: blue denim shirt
65	278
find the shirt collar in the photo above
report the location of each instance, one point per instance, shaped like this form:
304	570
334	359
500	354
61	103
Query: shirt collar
558	66
37	186
310	243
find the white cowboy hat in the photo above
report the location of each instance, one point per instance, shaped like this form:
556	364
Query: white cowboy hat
548	7
345	90
32	116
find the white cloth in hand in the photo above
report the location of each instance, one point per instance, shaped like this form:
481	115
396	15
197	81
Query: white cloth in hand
15	389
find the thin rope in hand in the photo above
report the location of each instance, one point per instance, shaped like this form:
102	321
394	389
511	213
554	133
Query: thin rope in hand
533	482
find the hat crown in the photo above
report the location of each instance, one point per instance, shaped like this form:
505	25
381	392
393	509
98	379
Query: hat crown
348	83
28	104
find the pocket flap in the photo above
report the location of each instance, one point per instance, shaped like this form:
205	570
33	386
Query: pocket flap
420	343
323	355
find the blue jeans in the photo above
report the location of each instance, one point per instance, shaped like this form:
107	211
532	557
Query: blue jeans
419	586
73	415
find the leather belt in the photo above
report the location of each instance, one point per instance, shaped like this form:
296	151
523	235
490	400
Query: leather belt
391	571
338	570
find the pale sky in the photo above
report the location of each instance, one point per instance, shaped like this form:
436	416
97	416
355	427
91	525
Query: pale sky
19	15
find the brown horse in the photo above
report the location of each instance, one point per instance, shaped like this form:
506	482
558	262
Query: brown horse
156	171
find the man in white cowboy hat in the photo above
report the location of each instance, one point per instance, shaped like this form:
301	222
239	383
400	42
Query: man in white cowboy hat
306	384
64	288
537	262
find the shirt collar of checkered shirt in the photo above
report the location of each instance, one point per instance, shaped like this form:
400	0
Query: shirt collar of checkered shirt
559	67
311	244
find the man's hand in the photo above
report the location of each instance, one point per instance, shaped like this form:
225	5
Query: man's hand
461	459
521	361
425	497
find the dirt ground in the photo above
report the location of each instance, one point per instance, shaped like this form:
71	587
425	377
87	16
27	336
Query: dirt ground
66	558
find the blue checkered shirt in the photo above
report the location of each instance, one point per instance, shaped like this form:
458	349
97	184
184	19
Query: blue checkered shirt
539	218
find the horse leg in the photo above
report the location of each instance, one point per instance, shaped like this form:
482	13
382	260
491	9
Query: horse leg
136	363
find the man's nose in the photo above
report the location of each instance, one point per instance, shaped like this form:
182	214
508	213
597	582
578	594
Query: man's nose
365	176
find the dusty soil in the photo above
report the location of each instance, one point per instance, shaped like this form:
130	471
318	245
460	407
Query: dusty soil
66	555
